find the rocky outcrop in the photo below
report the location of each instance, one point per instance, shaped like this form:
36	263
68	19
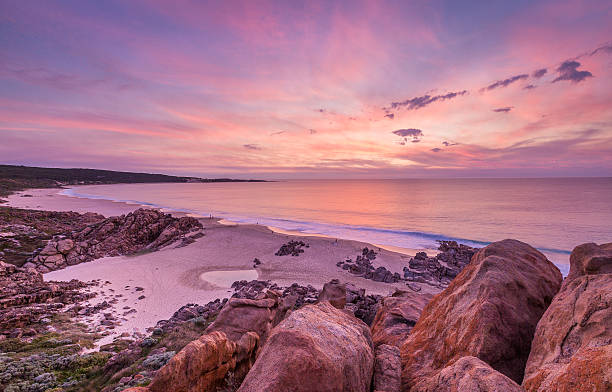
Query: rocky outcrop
572	347
25	298
316	348
24	231
362	266
335	293
143	229
204	364
468	374
242	315
489	311
442	268
396	317
387	369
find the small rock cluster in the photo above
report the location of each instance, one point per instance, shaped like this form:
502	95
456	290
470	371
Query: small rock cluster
442	268
293	248
143	229
362	266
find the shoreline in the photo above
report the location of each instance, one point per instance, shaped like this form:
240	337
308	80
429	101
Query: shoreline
107	207
145	288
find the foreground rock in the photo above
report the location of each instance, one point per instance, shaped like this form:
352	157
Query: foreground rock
204	364
387	369
335	293
316	348
143	229
572	347
489	311
468	374
397	316
242	315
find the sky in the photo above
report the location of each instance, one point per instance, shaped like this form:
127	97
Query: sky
313	89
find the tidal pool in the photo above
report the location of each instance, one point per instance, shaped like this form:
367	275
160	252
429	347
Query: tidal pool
226	278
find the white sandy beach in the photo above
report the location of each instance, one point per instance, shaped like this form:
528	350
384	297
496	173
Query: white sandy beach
171	278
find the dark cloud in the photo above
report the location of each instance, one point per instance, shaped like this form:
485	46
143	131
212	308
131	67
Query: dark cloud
436	149
539	73
405	134
568	70
503	110
251	146
422	101
505	82
448	144
409	132
529	87
278	133
312	131
390	115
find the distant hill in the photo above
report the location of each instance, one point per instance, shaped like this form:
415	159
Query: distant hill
15	178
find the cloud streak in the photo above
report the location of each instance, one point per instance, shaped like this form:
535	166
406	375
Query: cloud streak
425	100
504	109
505	82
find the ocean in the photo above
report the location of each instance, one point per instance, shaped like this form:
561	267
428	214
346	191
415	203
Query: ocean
552	214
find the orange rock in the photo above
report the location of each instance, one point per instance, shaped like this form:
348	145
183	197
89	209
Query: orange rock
572	347
468	374
335	293
396	317
316	348
242	315
489	311
203	364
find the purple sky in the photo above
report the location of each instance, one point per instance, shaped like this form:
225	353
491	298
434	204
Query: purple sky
309	89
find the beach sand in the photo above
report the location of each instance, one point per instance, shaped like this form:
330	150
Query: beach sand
172	277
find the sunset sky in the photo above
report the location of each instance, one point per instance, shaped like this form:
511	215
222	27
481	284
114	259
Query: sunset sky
309	89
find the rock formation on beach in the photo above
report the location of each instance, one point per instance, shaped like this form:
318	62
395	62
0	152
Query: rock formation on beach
293	248
441	268
143	229
489	311
436	271
572	347
24	231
